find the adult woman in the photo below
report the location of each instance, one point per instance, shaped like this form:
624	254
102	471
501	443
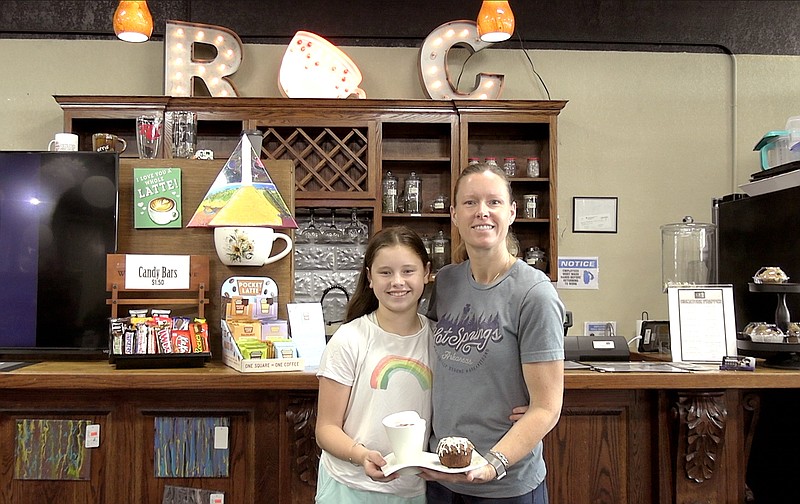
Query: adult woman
498	344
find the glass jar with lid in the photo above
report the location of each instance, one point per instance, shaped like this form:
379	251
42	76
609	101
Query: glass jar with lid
688	252
427	243
440	204
413	194
441	251
473	160
389	191
510	166
491	161
536	257
533	169
529	205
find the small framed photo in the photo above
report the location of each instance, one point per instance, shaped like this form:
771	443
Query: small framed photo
592	214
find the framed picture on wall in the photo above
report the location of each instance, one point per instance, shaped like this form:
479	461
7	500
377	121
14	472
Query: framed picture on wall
594	214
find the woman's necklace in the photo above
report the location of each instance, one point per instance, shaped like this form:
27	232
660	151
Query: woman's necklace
502	270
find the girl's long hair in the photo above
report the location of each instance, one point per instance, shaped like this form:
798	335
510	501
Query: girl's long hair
363	300
512	244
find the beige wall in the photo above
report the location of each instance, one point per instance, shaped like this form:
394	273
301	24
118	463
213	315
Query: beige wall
663	132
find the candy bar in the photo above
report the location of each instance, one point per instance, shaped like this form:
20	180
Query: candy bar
164	336
181	342
117	331
199	335
129	341
141	339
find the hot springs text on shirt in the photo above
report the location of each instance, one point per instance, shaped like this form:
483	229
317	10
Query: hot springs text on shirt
578	273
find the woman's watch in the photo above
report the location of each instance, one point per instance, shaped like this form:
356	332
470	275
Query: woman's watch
499	462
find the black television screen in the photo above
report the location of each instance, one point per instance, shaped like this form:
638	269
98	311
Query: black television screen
58	220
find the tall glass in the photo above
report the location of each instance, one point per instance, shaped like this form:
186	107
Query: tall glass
148	136
184	134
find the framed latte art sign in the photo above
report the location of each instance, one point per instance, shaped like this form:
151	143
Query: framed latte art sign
156	198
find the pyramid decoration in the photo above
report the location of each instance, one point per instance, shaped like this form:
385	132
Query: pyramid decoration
243	194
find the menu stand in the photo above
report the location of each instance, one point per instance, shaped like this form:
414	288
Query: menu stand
194	295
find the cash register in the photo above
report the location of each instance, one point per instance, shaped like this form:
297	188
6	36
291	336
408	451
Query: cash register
596	348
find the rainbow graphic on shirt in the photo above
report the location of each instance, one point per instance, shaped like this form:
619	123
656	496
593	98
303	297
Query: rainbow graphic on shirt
392	364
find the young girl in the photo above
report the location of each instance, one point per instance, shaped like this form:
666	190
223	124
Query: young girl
376	364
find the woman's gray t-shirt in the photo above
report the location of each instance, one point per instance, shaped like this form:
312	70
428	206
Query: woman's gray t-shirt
483	335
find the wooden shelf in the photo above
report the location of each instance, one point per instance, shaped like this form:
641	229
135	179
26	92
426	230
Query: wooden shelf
195	294
341	149
415	215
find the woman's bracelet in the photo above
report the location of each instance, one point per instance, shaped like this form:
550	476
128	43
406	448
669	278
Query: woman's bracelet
350	457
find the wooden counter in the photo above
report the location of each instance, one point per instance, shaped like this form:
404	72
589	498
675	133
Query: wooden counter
623	437
217	376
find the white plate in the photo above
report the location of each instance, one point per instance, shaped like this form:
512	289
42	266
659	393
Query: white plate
431	461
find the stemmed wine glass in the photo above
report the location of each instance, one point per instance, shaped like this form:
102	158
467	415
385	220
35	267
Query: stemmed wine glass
310	233
356	231
332	234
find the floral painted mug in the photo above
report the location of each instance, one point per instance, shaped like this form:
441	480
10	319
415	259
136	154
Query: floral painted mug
249	246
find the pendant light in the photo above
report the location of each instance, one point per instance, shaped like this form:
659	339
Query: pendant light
132	21
495	21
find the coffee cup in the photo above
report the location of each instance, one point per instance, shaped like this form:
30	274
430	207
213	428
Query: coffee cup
106	142
64	142
249	246
407	435
162	210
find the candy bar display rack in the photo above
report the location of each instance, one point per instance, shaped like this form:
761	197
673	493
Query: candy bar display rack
120	295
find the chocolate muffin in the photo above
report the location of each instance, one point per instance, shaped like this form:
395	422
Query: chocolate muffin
455	452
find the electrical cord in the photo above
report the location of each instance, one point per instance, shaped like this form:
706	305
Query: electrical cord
527	56
463	66
533	69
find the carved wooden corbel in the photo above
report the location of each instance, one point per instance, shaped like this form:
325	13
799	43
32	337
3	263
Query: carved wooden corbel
702	418
302	416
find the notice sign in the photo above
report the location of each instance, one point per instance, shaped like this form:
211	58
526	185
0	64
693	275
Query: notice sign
157	272
577	273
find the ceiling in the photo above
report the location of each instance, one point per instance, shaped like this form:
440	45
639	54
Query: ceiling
738	27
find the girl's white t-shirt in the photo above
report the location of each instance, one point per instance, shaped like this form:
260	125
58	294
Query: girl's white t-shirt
387	373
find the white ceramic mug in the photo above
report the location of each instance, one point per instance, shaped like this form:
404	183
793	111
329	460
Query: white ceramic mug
406	433
162	210
249	246
63	142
